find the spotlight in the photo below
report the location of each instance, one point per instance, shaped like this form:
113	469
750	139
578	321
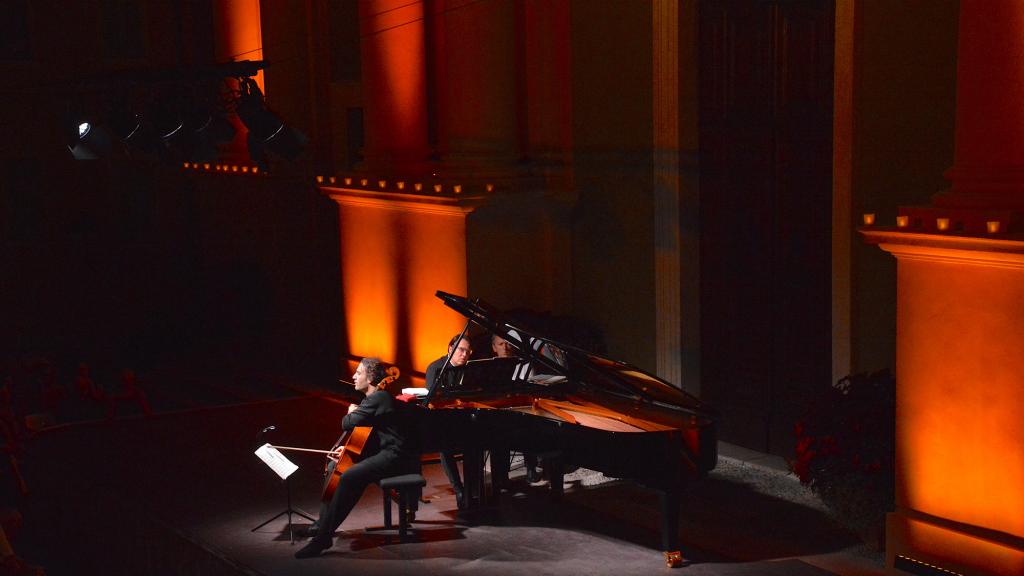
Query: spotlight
135	131
210	129
266	130
89	140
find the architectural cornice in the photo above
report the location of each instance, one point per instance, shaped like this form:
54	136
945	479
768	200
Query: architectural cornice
404	202
1006	251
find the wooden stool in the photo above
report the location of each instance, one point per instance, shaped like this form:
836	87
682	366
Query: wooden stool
408	488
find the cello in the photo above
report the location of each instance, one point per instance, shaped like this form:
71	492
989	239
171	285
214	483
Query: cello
349	447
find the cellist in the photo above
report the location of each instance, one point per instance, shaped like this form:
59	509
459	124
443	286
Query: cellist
398	453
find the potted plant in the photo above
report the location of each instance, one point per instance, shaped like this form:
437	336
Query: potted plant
845	451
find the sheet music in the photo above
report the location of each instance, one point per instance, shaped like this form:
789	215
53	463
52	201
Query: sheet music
415	391
278	463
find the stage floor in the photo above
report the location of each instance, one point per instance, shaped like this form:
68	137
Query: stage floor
179	493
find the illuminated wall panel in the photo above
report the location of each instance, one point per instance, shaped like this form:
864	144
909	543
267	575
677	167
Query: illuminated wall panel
394	75
394	256
959	401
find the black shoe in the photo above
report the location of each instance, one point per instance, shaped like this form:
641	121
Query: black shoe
310	530
314	548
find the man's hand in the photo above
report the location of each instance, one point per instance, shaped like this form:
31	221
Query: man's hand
352	408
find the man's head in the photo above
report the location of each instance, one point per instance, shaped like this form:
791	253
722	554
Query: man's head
460	349
368	374
501	347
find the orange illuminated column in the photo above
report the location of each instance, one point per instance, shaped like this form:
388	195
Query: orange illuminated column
394	81
238	37
395	254
476	84
988	169
960	326
959	403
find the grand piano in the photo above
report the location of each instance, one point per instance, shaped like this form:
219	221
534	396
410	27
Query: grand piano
575	409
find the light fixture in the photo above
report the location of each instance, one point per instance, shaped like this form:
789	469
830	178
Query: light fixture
88	140
267	132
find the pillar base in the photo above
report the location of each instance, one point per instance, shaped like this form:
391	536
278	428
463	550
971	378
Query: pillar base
917	545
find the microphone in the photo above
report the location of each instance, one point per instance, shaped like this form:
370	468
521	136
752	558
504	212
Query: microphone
264	431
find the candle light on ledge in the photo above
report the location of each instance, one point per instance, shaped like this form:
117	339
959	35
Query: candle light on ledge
245	169
332	179
993	226
869	219
902	221
400	185
438	188
457	188
255	169
942	224
382	184
319	179
489	188
206	166
363	182
347	181
418	186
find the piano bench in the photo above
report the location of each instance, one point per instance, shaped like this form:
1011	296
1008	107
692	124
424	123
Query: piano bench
408	488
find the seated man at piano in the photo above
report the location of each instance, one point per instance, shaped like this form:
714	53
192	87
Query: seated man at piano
448	376
398	453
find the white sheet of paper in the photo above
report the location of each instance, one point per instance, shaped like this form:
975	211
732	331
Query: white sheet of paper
415	391
278	463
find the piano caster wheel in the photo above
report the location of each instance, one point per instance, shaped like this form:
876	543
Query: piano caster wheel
674	559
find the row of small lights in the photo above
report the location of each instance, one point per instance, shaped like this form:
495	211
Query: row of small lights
244	169
400	184
932	566
941	224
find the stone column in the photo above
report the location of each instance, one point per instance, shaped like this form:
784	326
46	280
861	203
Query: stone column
666	190
477	88
394	81
988	170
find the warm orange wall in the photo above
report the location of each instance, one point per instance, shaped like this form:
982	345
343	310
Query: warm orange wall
239	36
394	77
393	259
960	398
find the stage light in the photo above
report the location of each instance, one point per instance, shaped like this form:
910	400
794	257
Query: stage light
267	132
90	140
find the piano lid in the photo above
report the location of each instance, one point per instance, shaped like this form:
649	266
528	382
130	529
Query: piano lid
556	363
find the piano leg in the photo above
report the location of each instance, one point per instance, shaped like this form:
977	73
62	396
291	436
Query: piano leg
473	472
556	474
670	526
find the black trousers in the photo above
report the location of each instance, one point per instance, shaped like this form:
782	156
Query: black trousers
451	470
353	483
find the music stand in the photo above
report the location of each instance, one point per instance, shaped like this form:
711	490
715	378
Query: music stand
284	468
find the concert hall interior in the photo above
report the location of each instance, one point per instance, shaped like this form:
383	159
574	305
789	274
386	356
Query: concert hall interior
804	213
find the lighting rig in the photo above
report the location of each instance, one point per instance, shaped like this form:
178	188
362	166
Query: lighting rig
180	115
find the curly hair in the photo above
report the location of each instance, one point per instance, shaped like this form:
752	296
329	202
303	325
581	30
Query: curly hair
374	368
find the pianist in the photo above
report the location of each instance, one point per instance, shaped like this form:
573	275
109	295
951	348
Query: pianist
460	350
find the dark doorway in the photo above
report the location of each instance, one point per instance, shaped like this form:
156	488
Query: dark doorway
766	73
